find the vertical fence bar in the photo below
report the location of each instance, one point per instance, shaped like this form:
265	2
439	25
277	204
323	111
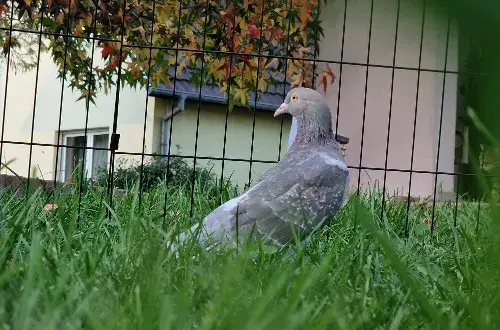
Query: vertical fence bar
114	140
59	122
390	111
340	69
256	91
229	82
87	109
481	164
365	98
193	179
364	109
440	126
165	197
141	174
285	81
35	96
459	175
415	116
462	142
316	51
6	81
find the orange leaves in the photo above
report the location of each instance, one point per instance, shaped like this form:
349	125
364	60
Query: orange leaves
135	71
227	17
60	19
79	29
297	80
305	13
324	77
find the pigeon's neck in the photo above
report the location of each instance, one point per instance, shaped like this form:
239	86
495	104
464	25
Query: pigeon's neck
314	130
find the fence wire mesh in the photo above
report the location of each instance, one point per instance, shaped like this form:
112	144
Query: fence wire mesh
145	45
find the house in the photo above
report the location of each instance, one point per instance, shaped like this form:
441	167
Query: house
364	121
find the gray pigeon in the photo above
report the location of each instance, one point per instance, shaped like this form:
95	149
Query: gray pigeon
308	186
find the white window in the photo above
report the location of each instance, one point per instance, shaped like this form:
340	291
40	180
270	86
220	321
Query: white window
92	160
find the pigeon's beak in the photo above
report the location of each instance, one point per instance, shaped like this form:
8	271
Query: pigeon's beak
281	110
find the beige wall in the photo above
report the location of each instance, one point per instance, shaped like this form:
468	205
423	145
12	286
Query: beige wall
19	110
405	86
238	140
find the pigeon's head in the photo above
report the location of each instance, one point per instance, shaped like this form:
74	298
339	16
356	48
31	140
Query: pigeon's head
303	102
309	108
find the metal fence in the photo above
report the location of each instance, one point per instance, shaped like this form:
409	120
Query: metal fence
68	31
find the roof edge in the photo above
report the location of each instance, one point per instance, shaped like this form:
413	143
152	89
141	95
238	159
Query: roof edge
168	93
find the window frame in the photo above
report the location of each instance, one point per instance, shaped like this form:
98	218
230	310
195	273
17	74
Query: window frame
89	152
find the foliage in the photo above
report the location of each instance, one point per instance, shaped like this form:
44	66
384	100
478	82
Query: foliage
155	171
72	267
206	40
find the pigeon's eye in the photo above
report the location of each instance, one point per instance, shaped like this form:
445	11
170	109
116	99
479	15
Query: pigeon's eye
295	97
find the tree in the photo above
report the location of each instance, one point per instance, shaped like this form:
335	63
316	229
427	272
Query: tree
210	41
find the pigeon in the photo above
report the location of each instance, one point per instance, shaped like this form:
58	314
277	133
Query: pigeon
300	194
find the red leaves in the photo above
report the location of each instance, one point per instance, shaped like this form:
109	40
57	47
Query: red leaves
226	68
228	16
107	50
277	33
246	59
3	9
110	51
235	41
253	30
114	63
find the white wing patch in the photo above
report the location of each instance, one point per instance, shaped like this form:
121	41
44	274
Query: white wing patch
230	204
334	162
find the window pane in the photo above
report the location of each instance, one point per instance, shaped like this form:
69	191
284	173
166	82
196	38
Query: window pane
99	157
74	156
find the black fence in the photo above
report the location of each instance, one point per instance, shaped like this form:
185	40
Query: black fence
225	39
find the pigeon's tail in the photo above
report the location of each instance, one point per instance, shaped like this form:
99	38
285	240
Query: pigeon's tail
197	234
184	238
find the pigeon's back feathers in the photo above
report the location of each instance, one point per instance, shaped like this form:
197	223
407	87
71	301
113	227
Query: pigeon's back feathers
306	184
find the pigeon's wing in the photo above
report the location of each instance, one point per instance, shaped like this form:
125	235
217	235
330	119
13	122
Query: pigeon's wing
303	191
314	193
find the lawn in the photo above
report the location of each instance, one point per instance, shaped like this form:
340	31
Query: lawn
74	268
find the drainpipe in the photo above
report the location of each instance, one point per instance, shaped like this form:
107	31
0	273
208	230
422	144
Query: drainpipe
164	123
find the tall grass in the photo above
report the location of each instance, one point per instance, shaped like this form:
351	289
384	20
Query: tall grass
116	273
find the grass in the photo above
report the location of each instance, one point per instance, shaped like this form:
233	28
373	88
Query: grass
59	270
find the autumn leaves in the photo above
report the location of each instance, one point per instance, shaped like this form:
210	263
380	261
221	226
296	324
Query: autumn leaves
239	46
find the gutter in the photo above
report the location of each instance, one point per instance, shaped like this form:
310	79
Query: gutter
164	122
208	98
